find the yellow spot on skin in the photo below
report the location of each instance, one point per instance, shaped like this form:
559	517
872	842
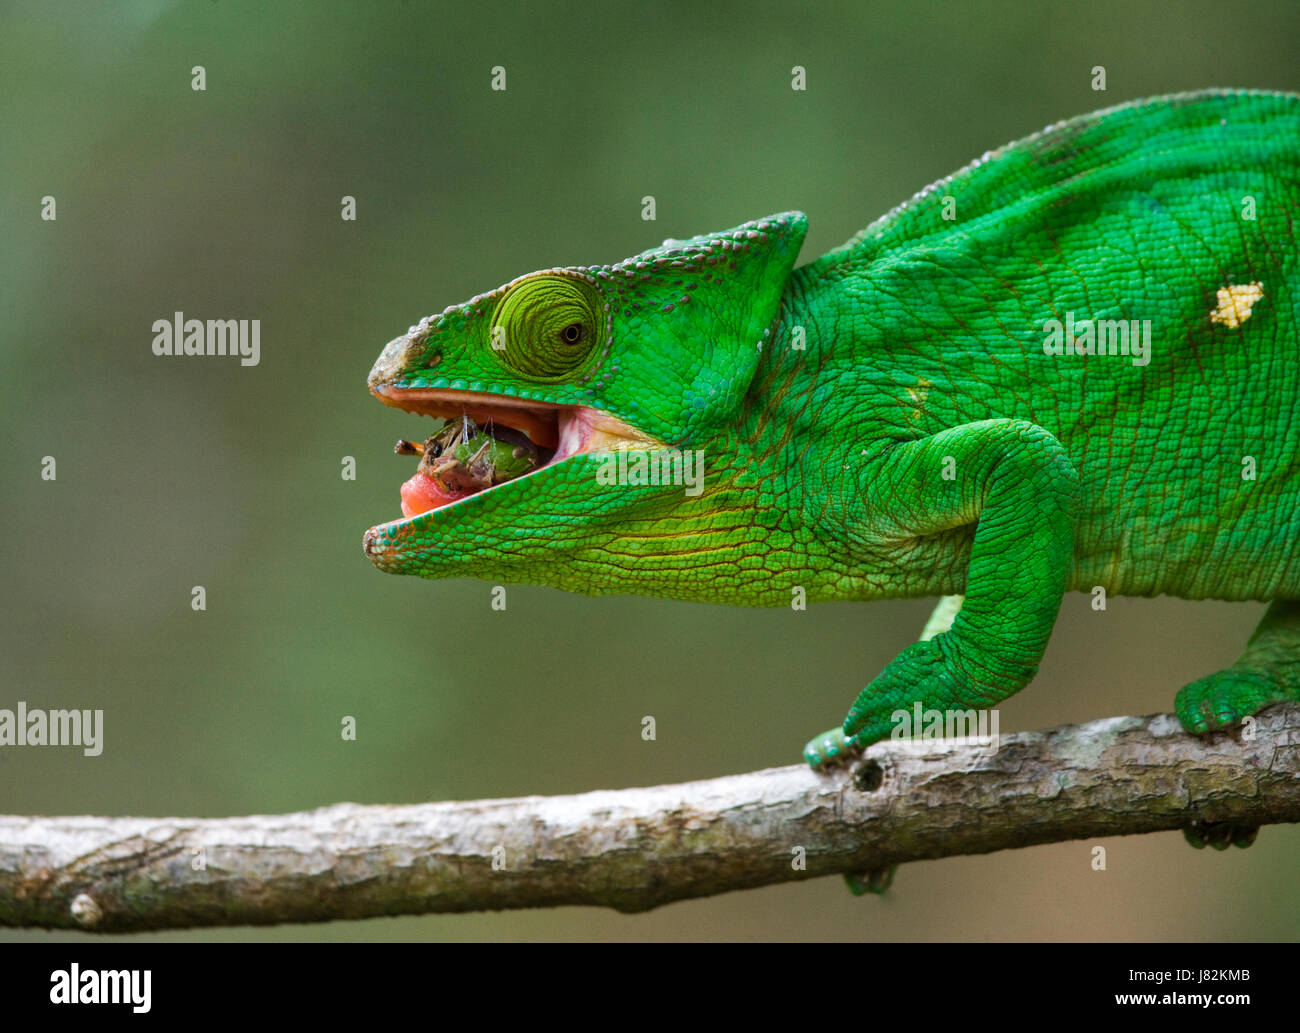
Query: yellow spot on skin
1235	303
919	394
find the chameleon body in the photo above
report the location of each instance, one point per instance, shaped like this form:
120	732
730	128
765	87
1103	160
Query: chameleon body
923	410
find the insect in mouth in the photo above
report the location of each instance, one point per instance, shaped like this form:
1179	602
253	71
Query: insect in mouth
463	457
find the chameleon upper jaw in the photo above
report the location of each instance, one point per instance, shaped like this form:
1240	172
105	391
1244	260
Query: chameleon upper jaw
569	429
540	421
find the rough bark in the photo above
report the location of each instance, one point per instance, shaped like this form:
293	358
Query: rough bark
634	849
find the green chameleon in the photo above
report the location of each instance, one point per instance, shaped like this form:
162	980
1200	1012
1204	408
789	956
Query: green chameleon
1073	365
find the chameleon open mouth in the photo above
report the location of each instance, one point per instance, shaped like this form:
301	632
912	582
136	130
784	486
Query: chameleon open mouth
473	455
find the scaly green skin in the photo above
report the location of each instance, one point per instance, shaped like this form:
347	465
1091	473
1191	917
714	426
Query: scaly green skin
920	441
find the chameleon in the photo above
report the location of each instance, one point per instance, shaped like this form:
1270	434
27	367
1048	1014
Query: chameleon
1073	365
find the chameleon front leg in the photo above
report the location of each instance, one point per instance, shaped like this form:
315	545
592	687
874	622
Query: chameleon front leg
833	747
1015	482
879	880
941	617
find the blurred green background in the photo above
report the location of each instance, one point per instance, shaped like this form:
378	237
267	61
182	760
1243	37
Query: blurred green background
172	473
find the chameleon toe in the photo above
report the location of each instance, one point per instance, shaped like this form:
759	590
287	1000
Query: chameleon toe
829	750
1220	835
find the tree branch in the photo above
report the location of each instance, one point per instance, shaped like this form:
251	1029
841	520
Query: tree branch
634	849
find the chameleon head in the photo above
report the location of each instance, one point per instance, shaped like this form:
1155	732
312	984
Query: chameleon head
652	353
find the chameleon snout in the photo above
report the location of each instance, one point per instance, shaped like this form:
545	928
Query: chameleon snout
399	355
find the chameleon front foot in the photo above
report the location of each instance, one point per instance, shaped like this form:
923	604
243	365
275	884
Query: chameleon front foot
831	750
1225	698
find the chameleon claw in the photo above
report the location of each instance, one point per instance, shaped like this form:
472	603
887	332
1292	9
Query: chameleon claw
874	881
1220	835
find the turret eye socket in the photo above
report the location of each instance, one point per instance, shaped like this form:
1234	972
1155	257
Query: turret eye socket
547	327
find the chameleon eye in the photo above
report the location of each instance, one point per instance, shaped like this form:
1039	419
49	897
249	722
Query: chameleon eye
549	324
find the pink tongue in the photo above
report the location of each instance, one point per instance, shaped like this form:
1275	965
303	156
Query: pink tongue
420	494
